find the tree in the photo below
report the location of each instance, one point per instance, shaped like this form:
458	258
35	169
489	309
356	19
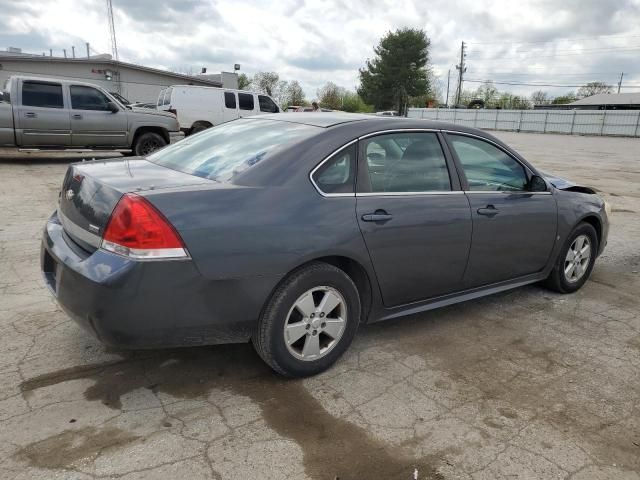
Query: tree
330	95
398	70
244	82
266	82
540	97
487	92
352	102
564	99
593	88
295	94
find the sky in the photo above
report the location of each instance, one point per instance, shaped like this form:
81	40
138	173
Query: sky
555	42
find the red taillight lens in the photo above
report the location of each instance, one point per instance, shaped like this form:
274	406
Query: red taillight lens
137	230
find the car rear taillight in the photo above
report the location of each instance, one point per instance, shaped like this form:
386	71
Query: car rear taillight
136	229
173	110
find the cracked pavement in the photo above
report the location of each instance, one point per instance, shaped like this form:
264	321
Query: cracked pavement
524	384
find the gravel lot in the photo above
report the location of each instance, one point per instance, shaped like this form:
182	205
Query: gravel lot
525	384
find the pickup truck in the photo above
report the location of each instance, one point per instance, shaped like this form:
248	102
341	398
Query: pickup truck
41	113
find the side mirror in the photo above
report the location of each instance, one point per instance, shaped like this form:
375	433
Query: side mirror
113	108
537	184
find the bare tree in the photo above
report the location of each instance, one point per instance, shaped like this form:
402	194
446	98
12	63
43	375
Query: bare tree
540	97
266	82
593	88
331	95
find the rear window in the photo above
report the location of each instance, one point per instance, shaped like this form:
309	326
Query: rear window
41	94
245	100
161	97
220	153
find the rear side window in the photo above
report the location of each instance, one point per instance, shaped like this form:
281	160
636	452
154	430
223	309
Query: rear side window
167	96
406	163
245	100
230	100
42	94
337	175
267	105
87	98
222	152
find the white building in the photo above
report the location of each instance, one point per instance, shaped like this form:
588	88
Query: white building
134	82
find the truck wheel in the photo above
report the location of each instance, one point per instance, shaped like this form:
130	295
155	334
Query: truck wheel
148	143
199	127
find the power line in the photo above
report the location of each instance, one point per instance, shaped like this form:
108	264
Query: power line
559	39
586	52
536	84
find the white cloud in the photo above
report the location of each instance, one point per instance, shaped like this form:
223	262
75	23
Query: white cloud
315	41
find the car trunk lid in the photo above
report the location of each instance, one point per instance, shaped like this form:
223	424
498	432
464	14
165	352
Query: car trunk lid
91	190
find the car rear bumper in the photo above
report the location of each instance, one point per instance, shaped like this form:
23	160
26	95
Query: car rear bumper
147	304
175	136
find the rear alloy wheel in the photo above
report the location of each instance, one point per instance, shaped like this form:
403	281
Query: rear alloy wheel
309	321
148	143
575	261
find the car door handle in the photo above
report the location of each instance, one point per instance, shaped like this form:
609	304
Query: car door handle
488	211
77	116
377	216
30	115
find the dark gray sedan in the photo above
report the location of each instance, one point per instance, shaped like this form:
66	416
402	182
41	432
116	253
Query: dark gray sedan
290	230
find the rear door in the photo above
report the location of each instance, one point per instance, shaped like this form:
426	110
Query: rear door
42	117
514	229
92	122
414	218
229	107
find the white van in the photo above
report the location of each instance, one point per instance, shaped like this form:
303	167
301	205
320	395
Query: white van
199	108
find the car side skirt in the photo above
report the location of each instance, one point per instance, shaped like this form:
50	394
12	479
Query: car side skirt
459	297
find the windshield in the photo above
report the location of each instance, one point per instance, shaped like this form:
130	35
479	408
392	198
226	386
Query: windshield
222	152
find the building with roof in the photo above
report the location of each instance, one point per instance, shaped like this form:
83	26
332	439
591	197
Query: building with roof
600	101
137	83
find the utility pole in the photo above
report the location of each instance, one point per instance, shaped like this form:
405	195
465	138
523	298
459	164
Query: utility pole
461	69
620	82
73	51
112	31
446	102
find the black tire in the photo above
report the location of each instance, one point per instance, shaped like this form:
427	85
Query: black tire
199	127
269	339
557	279
147	143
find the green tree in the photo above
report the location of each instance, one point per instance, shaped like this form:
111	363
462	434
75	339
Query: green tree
593	88
244	82
352	102
330	95
564	99
398	70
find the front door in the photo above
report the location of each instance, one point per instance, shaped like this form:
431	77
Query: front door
93	124
42	119
514	229
415	221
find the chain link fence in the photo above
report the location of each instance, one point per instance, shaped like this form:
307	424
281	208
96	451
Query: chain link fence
573	122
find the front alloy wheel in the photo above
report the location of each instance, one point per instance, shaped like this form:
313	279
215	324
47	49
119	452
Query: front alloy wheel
577	259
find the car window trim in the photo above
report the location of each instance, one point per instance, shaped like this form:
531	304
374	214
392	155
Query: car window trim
328	158
71	85
456	187
463	177
43	82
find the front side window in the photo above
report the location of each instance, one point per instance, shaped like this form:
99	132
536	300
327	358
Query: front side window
245	100
406	162
222	152
42	94
267	105
230	100
88	98
337	175
167	96
486	167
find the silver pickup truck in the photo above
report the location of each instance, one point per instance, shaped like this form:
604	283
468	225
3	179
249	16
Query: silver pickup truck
39	113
